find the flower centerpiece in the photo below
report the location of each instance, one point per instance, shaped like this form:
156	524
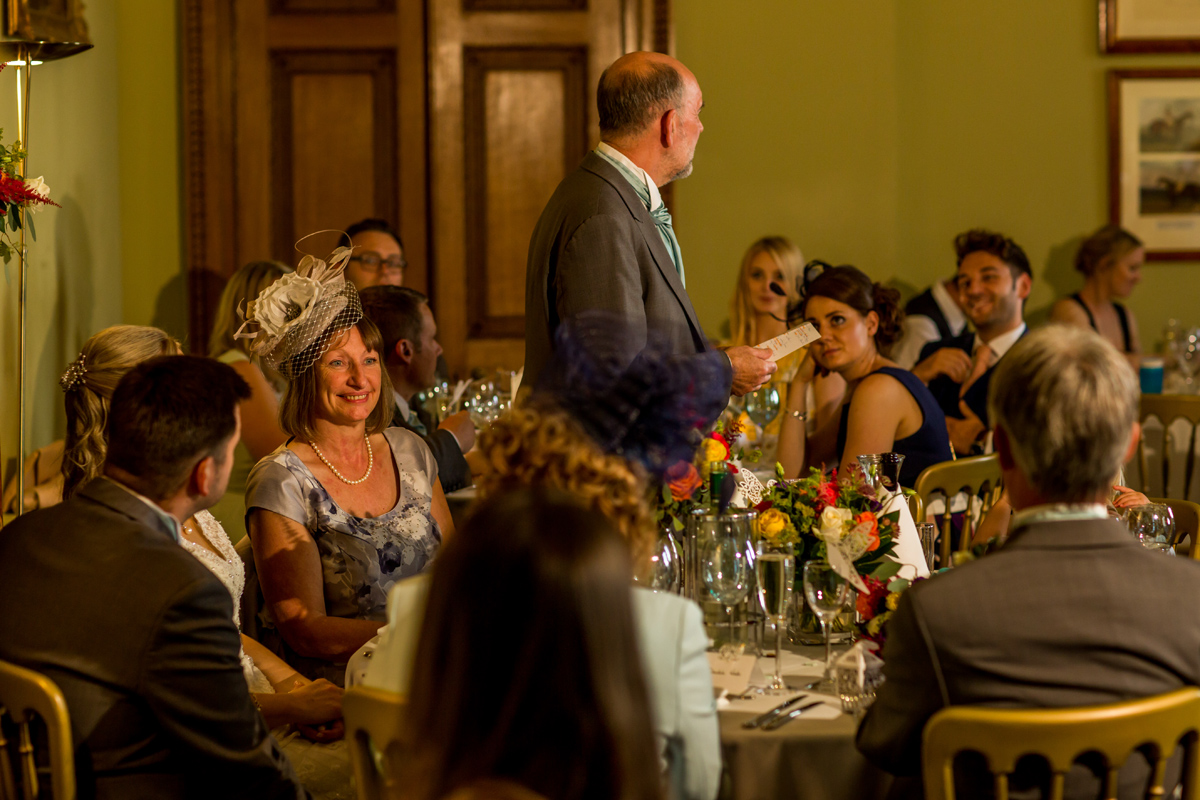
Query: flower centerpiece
876	606
686	485
840	521
17	193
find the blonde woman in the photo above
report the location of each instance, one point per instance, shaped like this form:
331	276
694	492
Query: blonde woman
261	433
1111	262
282	695
758	313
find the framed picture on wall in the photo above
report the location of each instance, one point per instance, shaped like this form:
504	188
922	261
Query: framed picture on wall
1149	26
1154	158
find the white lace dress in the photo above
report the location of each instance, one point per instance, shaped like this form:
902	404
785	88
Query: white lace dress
324	769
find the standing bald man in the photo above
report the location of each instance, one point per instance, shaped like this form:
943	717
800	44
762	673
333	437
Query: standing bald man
605	239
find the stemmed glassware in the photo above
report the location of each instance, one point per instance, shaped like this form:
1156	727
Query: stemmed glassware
762	405
1153	525
775	569
1187	354
726	564
826	593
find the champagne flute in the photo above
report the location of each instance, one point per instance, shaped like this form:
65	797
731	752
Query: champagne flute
826	593
725	567
775	568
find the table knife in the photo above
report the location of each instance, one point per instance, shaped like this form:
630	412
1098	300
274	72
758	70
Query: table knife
779	722
764	718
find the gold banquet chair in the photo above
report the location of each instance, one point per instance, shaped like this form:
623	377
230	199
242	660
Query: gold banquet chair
978	477
1004	736
374	729
24	694
1167	408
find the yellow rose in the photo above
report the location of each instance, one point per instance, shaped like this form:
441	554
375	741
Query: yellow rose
893	600
712	450
772	522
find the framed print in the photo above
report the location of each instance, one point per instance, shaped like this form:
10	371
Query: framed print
1149	26
1154	159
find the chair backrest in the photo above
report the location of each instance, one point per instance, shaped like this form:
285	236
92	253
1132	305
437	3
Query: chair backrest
1168	408
1061	735
23	695
978	477
374	726
1187	522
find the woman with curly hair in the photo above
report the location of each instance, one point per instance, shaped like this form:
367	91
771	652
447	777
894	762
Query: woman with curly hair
885	408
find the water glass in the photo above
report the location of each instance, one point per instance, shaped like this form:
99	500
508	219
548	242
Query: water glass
666	566
1187	352
826	593
775	570
1153	525
726	562
872	467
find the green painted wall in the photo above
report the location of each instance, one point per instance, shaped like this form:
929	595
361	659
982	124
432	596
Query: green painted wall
873	132
104	133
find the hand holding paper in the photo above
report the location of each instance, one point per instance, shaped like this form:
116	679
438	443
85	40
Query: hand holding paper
791	341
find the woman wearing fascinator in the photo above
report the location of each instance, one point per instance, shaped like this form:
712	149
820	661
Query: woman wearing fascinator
347	506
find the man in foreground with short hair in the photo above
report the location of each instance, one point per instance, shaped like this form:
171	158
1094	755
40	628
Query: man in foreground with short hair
605	240
99	597
410	356
994	279
1072	611
378	258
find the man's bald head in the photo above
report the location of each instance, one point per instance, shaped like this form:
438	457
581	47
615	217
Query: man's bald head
637	89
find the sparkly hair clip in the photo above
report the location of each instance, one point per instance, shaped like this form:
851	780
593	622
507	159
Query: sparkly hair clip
74	374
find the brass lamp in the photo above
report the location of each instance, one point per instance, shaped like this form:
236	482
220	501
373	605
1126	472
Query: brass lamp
32	35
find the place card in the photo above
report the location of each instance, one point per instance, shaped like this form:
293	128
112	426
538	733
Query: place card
791	341
731	674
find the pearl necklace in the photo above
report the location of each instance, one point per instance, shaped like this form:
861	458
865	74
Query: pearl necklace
334	470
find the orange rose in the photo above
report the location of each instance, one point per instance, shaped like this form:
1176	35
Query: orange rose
873	533
683	480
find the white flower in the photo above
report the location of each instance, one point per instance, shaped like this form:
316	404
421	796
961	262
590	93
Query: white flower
833	523
39	187
284	302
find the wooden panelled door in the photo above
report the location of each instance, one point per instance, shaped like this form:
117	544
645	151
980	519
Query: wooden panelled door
452	119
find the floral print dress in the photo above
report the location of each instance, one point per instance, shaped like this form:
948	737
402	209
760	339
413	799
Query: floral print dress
361	558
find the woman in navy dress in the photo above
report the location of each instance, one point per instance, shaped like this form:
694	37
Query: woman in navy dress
885	408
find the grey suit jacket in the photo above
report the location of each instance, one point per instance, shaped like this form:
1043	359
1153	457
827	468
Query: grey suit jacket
596	247
1066	614
139	636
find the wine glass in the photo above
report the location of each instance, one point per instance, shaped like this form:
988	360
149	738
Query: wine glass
762	405
666	568
775	569
1153	525
726	565
826	593
1188	356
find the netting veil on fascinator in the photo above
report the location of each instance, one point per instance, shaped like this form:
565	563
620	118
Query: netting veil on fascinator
649	410
301	314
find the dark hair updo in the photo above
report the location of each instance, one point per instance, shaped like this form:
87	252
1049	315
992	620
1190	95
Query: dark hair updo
851	286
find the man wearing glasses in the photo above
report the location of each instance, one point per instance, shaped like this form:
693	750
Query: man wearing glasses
378	258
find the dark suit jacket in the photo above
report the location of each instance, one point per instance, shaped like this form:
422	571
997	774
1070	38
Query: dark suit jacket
596	247
139	636
1065	614
452	466
945	390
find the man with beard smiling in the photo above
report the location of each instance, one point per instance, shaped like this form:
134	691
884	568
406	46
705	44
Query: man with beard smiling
994	279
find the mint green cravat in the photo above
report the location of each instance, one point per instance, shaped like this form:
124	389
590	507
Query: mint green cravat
660	215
